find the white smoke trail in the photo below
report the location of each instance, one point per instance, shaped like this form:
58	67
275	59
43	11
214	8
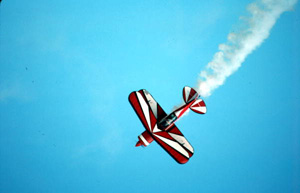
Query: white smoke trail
263	15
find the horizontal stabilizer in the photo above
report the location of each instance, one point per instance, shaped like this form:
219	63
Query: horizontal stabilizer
198	106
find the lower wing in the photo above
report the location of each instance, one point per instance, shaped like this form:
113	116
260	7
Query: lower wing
175	144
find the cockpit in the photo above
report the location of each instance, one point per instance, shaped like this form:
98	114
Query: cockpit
165	122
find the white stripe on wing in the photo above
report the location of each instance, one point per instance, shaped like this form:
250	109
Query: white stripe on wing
174	145
145	108
182	140
151	102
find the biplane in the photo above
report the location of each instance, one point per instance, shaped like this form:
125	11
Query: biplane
161	126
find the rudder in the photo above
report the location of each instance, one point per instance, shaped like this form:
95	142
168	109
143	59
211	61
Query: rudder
189	94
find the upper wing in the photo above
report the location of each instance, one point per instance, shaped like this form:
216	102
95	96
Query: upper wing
147	109
139	104
158	112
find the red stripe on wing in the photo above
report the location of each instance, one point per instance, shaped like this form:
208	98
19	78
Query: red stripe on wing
175	130
185	144
136	104
152	117
138	109
160	112
165	135
171	151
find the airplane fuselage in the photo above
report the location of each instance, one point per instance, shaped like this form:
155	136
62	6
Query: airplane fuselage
168	121
161	126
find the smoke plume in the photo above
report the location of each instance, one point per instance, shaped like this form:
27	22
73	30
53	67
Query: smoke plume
255	28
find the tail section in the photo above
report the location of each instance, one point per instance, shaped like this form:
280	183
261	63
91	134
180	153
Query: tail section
190	94
198	106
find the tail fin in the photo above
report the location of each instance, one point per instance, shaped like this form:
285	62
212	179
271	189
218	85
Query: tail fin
190	94
198	106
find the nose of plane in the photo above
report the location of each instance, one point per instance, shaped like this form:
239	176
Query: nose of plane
138	144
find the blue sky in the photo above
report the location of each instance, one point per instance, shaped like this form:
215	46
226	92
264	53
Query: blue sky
67	69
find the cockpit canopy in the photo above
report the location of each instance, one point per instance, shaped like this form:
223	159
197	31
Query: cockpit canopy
165	122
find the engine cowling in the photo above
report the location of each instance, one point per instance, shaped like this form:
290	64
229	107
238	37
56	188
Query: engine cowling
144	139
